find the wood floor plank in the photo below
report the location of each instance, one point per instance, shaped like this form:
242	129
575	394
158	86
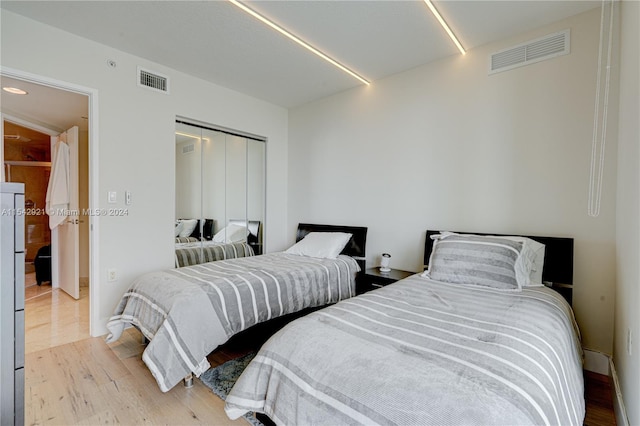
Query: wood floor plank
104	366
103	418
599	398
127	401
41	405
81	395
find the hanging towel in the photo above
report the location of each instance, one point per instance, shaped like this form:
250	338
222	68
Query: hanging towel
57	201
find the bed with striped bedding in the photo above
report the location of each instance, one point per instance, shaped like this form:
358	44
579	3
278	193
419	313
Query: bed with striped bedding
194	253
187	312
420	352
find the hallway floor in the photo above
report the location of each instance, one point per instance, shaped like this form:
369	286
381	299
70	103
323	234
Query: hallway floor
52	317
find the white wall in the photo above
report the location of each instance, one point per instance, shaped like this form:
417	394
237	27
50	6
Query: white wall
446	146
136	146
628	214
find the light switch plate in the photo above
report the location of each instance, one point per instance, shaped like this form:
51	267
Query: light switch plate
112	197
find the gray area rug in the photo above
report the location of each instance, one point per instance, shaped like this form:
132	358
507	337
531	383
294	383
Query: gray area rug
221	379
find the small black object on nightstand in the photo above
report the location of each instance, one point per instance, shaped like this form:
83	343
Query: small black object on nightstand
372	279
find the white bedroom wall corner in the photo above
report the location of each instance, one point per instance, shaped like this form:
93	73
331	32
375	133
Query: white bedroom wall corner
626	357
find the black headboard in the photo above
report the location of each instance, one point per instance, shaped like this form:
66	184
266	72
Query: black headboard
255	233
356	247
558	260
207	229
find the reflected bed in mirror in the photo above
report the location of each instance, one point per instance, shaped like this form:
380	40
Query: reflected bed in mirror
254	233
237	239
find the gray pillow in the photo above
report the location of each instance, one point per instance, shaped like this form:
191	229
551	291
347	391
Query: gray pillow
478	260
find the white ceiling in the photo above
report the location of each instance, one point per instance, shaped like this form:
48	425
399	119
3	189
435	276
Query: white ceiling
216	41
54	109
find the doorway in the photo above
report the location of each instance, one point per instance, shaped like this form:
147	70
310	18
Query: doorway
29	135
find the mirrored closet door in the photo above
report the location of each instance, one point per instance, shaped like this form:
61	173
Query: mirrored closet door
220	193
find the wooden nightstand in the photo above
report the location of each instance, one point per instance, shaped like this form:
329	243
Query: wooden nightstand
372	278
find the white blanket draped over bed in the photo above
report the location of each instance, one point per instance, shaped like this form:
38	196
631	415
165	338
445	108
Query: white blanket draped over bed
419	352
187	312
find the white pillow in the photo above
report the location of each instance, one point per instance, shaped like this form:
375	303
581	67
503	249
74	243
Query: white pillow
538	265
531	262
326	245
188	225
178	229
478	260
231	233
534	251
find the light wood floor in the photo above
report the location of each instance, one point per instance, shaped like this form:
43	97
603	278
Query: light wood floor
90	382
71	378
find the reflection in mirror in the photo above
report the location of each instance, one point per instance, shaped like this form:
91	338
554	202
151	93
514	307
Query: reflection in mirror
188	182
256	189
214	181
236	177
220	187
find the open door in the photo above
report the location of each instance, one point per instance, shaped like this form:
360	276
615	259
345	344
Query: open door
66	236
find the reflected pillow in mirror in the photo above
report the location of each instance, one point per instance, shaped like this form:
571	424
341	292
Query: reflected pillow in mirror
326	245
232	233
178	228
188	225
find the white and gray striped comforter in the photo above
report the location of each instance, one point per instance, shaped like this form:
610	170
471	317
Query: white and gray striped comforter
418	352
187	312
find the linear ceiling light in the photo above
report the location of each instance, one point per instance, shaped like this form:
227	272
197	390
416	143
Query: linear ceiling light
297	40
445	26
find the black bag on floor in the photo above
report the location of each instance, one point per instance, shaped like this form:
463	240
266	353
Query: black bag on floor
42	263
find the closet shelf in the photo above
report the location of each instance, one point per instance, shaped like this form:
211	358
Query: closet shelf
28	163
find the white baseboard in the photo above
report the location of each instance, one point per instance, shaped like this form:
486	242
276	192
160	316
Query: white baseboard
597	362
618	404
600	363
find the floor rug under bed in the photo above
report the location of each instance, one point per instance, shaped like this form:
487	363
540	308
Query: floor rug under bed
221	379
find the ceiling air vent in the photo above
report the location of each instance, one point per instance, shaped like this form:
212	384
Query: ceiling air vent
533	51
153	80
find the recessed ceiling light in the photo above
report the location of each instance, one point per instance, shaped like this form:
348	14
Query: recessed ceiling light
298	40
15	90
